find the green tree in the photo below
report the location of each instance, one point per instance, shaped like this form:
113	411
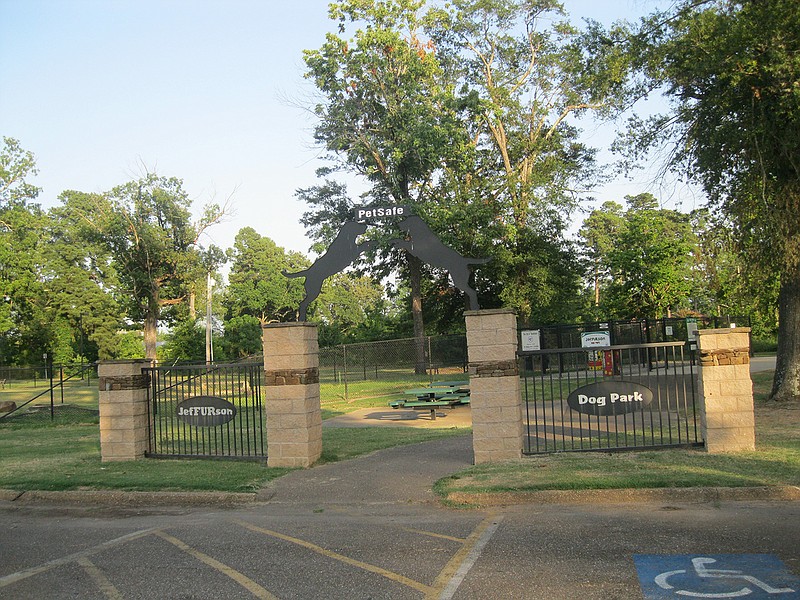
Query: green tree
726	282
256	286
186	341
16	166
242	337
23	321
524	76
643	256
146	228
385	113
730	68
346	303
599	232
82	290
465	111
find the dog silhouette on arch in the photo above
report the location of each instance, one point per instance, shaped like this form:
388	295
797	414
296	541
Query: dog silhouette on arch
341	253
426	246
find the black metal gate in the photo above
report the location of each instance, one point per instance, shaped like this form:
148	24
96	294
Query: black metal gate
610	398
200	411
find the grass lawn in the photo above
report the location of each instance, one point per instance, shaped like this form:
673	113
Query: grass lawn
776	461
39	455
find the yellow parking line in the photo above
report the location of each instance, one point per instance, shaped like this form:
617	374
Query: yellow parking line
396	577
243	580
435	535
100	579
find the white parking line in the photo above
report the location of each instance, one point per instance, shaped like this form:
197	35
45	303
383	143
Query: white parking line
475	546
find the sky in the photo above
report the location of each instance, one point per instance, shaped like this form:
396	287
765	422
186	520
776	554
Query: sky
209	91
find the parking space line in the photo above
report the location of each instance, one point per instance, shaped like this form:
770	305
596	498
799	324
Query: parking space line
100	579
457	568
435	535
30	572
396	577
243	580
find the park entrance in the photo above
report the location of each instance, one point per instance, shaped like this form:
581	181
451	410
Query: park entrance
200	411
609	398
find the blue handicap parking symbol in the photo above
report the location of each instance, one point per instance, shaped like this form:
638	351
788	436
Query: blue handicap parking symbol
751	576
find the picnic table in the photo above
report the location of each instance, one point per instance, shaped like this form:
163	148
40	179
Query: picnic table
436	395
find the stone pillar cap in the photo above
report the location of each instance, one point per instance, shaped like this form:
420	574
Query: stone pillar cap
722	330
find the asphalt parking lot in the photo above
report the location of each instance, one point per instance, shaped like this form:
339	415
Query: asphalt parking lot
371	528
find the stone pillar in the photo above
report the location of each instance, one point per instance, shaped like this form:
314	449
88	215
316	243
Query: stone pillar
497	426
124	428
291	394
726	390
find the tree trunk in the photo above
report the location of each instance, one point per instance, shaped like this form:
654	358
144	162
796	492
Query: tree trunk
786	384
151	328
415	279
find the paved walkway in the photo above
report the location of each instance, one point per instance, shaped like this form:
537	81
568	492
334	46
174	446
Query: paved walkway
402	475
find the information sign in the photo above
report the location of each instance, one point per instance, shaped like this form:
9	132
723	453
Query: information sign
531	340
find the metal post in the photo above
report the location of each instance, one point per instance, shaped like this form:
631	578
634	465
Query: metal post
209	341
52	396
430	361
344	359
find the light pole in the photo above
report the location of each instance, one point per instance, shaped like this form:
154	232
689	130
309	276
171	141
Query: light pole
209	337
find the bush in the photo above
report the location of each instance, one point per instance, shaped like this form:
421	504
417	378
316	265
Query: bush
765	344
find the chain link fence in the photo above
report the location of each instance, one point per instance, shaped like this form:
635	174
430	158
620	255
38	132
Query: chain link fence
378	368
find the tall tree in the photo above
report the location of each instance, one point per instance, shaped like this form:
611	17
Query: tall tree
524	77
599	232
467	111
82	290
726	282
147	229
730	68
22	318
386	112
256	286
646	254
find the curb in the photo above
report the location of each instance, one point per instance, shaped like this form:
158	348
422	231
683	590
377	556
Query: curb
127	499
460	499
619	496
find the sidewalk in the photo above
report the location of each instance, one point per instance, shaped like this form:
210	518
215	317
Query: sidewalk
403	474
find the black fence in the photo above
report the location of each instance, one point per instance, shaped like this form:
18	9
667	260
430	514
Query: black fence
49	394
633	331
614	398
199	411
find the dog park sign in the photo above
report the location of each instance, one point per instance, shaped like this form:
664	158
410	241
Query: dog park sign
609	398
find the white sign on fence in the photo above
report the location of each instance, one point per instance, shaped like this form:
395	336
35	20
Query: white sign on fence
531	340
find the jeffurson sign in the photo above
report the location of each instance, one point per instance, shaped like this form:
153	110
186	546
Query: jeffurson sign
206	411
608	398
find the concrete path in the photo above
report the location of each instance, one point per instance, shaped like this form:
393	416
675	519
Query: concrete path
404	474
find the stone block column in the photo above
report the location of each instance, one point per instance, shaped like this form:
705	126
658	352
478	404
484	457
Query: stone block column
497	425
124	430
726	390
291	394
